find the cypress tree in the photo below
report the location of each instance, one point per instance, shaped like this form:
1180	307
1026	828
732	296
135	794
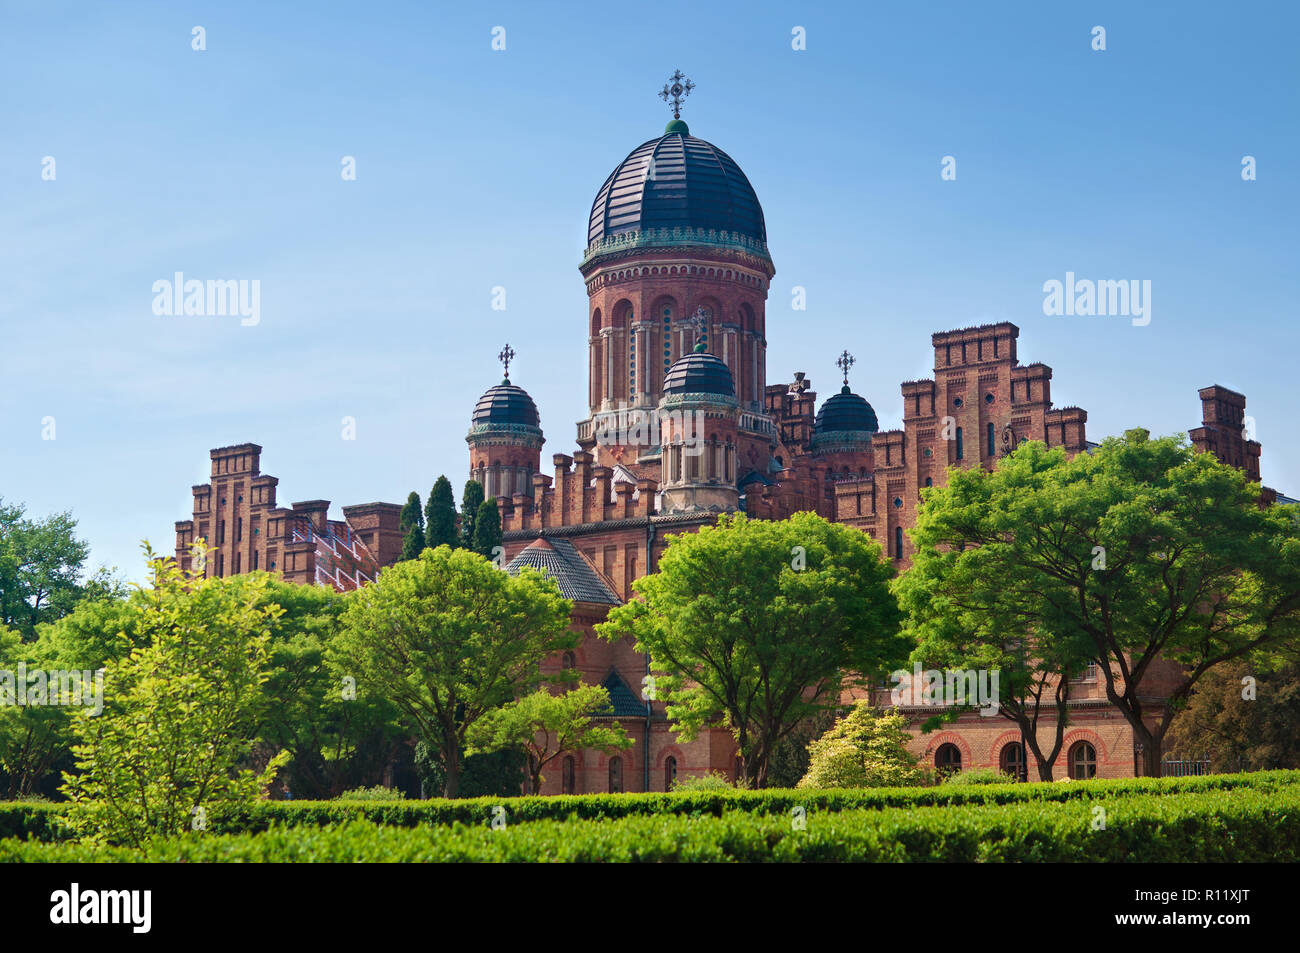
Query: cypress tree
487	528
440	516
469	505
412	524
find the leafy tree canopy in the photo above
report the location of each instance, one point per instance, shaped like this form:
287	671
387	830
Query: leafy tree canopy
754	625
447	638
1144	556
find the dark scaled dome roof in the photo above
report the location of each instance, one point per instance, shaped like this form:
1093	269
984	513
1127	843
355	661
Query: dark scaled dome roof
699	373
506	404
846	411
695	184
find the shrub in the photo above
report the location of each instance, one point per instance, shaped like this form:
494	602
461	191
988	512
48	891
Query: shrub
170	745
866	748
377	793
979	776
713	781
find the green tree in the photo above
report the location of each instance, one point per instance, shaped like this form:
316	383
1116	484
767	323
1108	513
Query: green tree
866	748
469	506
963	615
34	732
487	529
448	638
543	726
755	625
36	740
411	523
1159	560
337	739
1244	715
440	516
180	712
40	563
789	761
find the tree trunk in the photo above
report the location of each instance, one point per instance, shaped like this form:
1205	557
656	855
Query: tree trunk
451	759
1152	752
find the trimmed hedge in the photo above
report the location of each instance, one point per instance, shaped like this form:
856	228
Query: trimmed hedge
1234	825
478	811
42	821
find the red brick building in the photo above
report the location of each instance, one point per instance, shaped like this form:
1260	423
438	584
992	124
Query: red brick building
237	516
682	425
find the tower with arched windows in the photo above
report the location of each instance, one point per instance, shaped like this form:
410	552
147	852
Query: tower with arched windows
676	232
505	438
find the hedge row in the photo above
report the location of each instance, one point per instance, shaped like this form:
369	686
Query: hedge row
478	811
38	821
1235	825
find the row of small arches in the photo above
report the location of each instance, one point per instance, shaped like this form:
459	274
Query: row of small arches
1081	760
647	271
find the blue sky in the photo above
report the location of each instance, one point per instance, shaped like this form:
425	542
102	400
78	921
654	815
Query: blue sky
476	168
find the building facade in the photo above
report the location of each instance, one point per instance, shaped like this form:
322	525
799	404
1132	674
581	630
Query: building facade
236	516
683	425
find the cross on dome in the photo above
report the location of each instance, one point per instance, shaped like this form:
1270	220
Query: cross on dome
844	362
505	357
700	322
675	91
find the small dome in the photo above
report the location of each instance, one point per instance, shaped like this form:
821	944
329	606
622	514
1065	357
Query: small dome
506	404
846	411
694	185
699	373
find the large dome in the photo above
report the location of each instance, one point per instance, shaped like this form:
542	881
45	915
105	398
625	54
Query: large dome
846	411
693	184
506	404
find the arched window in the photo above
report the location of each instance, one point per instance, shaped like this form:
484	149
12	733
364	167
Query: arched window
898	542
1083	761
960	449
568	776
929	481
570	661
670	773
948	758
616	775
989	447
1012	760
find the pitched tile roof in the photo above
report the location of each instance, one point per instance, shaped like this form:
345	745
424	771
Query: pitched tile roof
622	699
577	578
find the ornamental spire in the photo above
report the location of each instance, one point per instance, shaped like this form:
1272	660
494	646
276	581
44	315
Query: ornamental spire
844	362
505	357
675	91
